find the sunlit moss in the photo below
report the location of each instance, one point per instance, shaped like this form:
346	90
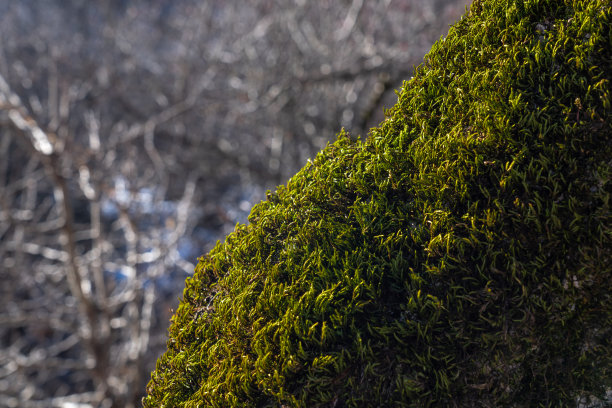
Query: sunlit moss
458	256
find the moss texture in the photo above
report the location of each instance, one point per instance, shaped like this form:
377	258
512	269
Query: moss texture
458	256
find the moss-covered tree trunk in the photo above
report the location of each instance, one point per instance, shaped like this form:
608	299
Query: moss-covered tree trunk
458	256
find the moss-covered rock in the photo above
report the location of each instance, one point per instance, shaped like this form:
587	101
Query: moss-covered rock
459	256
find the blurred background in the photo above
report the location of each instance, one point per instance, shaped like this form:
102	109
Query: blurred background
135	134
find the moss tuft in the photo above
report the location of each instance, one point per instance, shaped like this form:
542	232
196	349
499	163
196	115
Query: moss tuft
459	256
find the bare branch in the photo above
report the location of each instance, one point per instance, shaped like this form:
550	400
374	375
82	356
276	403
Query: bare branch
348	25
12	103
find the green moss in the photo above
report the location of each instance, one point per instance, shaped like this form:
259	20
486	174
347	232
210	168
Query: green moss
459	256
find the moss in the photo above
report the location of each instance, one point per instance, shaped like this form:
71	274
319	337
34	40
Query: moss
458	256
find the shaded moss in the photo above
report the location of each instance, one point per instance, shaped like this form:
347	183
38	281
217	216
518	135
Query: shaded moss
460	255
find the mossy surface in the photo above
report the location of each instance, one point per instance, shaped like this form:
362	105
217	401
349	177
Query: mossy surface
458	256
